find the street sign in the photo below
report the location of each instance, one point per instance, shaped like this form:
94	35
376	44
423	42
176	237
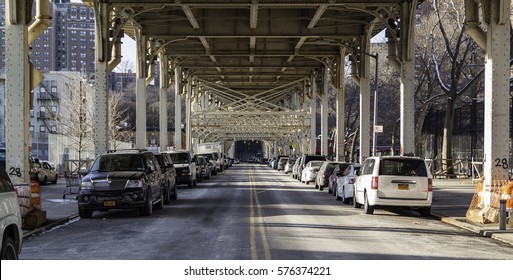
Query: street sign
378	128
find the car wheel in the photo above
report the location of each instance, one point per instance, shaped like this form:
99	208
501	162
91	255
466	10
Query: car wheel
8	249
166	194
189	185
148	206
195	182
85	213
366	207
55	181
338	198
174	196
45	179
345	200
160	203
425	211
355	203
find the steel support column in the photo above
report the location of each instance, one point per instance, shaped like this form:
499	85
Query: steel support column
497	93
101	89
188	143
364	100
339	141
163	92
17	91
178	107
140	91
407	107
324	111
313	112
407	80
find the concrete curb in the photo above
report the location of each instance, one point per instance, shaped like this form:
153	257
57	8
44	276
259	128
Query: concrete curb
50	226
505	236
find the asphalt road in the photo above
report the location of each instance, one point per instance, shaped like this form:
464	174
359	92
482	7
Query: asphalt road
251	212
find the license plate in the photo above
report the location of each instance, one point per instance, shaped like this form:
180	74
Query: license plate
403	186
109	203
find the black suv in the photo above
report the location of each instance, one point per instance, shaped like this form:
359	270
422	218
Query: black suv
122	179
169	181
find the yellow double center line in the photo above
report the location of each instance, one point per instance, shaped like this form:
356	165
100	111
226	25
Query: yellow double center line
255	212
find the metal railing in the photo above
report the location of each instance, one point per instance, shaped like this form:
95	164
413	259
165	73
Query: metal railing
458	168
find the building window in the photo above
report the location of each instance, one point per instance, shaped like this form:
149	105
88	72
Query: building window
54	89
42	128
53	129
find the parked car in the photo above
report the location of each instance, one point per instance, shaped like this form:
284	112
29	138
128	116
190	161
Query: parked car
289	165
211	159
394	182
277	161
204	167
44	172
304	161
3	157
281	163
169	181
10	219
323	176
185	167
122	179
345	184
310	171
295	168
337	171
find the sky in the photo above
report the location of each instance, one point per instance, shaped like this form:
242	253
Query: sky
128	50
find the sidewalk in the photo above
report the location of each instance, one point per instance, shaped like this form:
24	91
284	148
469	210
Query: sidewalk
450	203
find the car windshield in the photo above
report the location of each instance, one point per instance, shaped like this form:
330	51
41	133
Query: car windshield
179	157
403	167
108	163
315	163
208	156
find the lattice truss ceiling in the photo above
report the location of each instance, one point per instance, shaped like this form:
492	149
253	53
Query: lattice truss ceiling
252	60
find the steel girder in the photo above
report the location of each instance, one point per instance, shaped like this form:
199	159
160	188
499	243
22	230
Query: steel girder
249	55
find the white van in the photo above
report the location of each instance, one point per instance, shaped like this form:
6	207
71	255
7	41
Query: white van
185	167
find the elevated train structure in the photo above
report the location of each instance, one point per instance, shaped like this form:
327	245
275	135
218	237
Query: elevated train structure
253	69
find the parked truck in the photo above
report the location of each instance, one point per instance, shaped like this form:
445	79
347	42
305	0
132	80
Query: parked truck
216	149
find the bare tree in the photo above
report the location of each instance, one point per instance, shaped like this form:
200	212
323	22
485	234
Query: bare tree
452	72
75	117
119	129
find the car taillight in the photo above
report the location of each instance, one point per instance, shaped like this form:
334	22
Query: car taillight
430	185
374	184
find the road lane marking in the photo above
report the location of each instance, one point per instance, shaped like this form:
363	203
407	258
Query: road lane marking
256	208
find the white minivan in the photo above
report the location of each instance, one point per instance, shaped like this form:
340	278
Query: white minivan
394	181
